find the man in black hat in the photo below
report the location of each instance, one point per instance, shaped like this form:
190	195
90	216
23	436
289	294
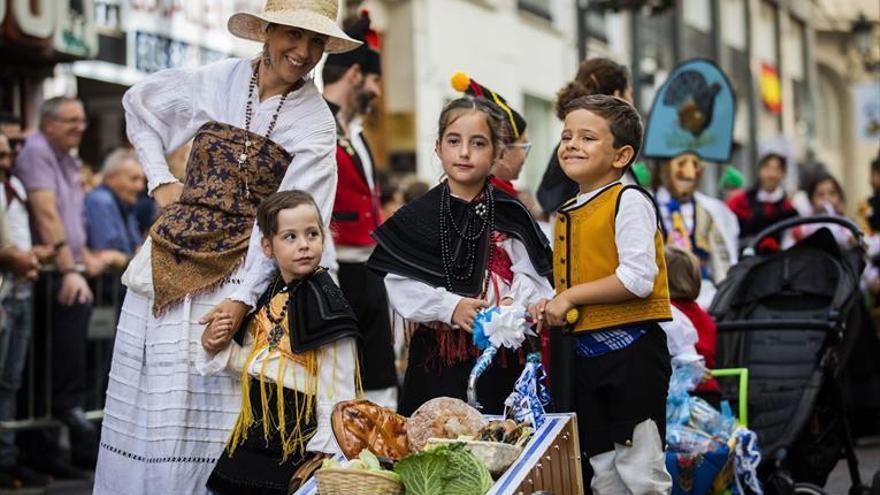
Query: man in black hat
352	81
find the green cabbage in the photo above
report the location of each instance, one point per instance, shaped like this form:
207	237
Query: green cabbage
446	469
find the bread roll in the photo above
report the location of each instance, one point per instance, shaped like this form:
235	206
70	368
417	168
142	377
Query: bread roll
443	417
360	424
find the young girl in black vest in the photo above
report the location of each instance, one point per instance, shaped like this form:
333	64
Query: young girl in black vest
462	247
296	359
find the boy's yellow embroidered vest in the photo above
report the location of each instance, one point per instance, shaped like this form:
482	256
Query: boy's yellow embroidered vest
584	250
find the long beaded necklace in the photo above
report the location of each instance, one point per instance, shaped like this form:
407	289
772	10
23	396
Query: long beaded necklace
248	114
482	212
277	331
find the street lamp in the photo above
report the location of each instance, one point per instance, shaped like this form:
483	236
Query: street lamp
865	42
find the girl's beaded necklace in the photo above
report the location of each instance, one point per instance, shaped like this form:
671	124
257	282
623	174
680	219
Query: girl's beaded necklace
248	114
480	212
277	331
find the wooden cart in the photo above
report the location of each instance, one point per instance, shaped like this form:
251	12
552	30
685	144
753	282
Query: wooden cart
551	461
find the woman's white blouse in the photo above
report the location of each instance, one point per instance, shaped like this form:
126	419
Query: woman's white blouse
165	110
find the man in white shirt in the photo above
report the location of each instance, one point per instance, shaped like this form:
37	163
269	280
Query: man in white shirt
16	294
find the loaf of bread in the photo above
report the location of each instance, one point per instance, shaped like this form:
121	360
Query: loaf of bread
360	424
442	417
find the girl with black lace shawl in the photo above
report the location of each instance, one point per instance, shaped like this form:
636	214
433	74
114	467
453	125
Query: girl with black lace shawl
461	247
296	357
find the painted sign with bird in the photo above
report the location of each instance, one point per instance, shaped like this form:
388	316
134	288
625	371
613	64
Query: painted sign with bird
693	112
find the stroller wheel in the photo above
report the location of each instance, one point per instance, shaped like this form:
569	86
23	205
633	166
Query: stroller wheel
808	489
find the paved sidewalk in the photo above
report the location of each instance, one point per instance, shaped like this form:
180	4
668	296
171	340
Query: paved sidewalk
868	453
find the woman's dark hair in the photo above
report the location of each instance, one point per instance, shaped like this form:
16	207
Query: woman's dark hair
458	107
818	180
595	76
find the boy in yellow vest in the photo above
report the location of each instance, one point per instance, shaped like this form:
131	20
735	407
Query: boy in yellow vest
608	264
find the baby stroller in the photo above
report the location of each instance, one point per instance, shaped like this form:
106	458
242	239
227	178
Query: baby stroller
791	317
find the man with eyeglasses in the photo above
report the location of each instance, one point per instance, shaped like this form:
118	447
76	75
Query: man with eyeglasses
509	165
10	126
51	174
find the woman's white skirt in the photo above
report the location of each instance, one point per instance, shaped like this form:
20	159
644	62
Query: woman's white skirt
164	424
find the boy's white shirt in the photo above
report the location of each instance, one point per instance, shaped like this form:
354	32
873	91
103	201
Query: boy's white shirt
636	254
420	302
336	376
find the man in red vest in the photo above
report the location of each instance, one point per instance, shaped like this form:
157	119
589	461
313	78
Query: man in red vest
352	80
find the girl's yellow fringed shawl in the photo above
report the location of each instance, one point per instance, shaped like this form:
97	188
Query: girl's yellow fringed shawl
306	364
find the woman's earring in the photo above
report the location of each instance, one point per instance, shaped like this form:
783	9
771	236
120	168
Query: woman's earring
267	61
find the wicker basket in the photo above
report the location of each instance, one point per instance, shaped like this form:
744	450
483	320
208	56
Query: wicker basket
338	481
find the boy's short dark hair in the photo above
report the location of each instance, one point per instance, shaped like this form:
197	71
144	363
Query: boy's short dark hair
623	120
267	212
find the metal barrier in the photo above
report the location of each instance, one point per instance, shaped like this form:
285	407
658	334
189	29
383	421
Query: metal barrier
35	396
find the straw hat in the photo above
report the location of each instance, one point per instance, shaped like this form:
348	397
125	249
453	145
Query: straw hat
318	16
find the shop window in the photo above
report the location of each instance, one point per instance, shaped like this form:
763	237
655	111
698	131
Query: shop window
597	23
543	133
540	8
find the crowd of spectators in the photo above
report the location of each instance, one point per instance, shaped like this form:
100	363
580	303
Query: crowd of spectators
66	235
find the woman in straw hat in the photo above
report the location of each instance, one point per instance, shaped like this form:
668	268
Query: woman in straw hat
257	126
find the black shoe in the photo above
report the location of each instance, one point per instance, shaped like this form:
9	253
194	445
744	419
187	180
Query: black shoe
84	457
26	476
8	481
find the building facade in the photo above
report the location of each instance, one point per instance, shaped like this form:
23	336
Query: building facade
523	49
798	84
36	36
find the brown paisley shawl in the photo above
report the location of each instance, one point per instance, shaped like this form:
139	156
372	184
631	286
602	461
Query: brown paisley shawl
199	241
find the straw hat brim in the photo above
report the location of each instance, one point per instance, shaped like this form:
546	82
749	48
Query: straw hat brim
251	26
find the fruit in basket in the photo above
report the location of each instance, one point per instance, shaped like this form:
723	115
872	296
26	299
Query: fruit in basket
361	424
446	469
442	417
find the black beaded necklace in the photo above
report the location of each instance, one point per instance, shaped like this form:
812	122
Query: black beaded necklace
480	211
248	114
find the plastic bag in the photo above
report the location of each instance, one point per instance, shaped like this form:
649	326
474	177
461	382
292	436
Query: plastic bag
687	440
687	373
706	418
747	460
529	397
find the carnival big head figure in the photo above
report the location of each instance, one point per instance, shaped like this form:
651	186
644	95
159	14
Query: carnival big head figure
681	175
691	123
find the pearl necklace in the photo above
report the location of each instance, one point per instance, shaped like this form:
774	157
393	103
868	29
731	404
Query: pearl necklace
484	210
248	114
